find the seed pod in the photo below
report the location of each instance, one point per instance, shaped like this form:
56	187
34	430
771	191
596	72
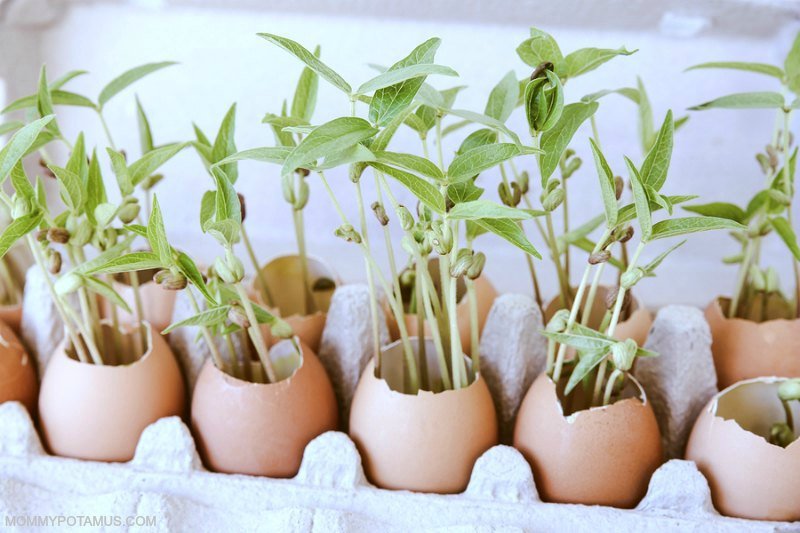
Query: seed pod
41	235
780	434
733	259
544	102
516	194
571	167
348	233
623	353
552	184
627	235
780	197
632	277
224	271
599	257
425	244
151	181
476	268
281	329
462	262
424	212
613	294
763	162
54	262
524	181
129	211
237	316
356	171
407	278
242	205
20	207
58	235
380	213
773	156
559	321
540	70
789	390
406	219
553	200
442	237
302	196
161	276
619	186
505	194
303	172
409	244
174	282
45	169
287	186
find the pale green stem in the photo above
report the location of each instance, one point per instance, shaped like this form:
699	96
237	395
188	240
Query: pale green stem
255	333
106	129
420	312
219	362
589	304
262	281
309	306
612	380
562	276
474	327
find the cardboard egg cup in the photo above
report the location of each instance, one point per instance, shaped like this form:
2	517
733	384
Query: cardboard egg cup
167	480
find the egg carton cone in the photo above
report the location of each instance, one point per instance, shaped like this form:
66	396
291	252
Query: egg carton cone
166	481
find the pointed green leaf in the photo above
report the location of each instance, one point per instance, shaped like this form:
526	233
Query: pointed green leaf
656	164
8	127
539	48
628	92
652	265
145	133
57	97
683	226
427	193
121	171
411	162
555	140
267	154
787	234
357	153
310	60
466	191
719	210
105	290
209	317
759	68
510	231
587	59
157	235
305	94
477	138
227	206
607	186
480	118
503	98
402	74
21	184
126	79
473	162
641	201
19	144
333	136
189	269
131	262
754	100
586	363
71	188
17	230
792	66
478	209
225	145
152	161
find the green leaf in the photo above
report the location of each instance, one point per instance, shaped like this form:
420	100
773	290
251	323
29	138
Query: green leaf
95	188
540	47
759	68
787	234
305	94
227	205
427	193
503	98
580	341
106	291
267	154
263	316
402	74
104	214
19	144
311	61
656	164
587	59
652	265
792	66
226	232
207	207
57	97
607	186
333	136
66	78
389	101
586	363
510	231
8	127
225	145
131	262
157	235
473	162
77	162
719	210
126	79
754	100
646	127
411	162
478	209
628	92
583	230
466	191
152	161
17	229
145	133
71	188
189	269
120	169
209	317
477	138
21	184
555	140
44	103
357	153
641	201
682	226
480	118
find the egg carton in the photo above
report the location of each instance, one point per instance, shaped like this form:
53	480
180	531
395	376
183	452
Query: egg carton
166	479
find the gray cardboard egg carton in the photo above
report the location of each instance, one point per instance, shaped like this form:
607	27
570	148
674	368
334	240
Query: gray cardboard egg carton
166	479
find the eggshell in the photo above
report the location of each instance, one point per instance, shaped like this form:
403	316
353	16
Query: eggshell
636	327
600	456
98	412
285	281
12	315
17	371
749	477
485	294
262	429
426	442
157	302
745	349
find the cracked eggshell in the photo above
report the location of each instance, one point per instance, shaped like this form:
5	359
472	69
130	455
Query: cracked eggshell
284	278
262	429
98	412
17	371
600	456
636	327
11	315
745	349
426	442
749	477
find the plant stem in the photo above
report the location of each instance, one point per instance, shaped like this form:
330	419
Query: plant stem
595	133
309	306
565	212
612	380
474	327
137	299
106	129
255	333
234	357
789	416
212	346
420	312
562	278
589	304
439	151
83	299
787	189
741	277
262	281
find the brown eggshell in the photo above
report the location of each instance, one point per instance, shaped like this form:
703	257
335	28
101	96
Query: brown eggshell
745	349
285	281
17	371
262	429
157	302
12	315
600	456
636	327
426	442
749	477
485	294
98	412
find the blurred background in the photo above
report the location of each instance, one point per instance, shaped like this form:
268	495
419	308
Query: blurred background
222	62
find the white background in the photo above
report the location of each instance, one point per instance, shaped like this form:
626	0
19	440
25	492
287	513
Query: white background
222	61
